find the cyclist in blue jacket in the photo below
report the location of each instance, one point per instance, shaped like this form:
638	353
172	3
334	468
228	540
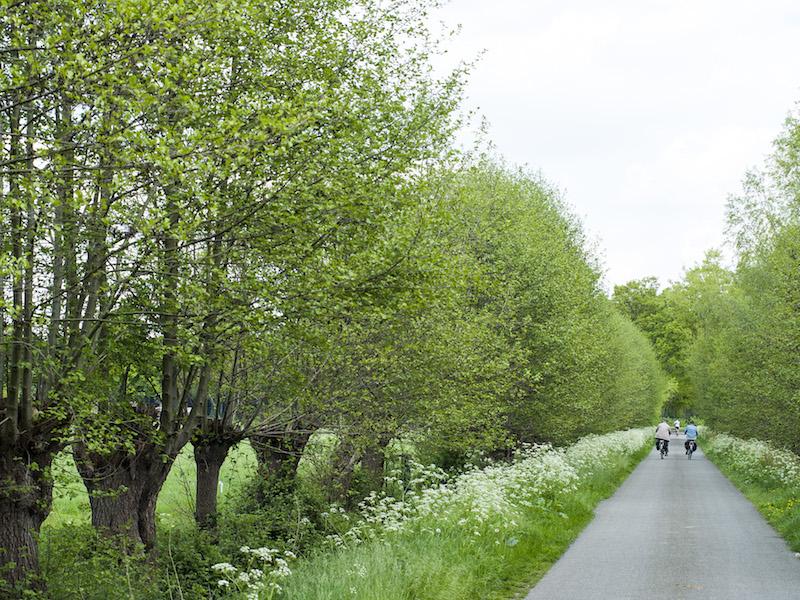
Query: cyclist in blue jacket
691	435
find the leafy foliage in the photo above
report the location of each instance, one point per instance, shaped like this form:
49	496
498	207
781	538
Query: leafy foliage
239	218
743	363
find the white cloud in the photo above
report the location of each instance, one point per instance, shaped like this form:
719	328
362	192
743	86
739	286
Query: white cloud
648	113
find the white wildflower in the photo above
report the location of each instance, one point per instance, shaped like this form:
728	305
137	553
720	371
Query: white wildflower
494	498
224	567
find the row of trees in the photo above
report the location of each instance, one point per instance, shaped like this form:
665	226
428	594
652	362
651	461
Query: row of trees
729	338
243	219
182	183
744	364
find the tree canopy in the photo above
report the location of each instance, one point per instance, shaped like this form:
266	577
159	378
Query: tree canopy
242	219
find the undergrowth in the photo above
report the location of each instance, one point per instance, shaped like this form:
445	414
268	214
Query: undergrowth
492	536
489	532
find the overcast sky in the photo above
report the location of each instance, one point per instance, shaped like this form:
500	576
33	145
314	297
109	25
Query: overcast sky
646	113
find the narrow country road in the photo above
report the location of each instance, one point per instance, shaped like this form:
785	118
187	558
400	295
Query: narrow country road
676	529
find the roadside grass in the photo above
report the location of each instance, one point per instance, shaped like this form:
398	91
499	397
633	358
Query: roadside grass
452	562
492	536
769	477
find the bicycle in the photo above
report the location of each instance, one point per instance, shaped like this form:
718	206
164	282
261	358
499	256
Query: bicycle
691	446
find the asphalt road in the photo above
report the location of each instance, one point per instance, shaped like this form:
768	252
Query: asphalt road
678	530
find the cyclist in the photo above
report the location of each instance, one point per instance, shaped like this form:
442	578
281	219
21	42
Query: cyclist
677	426
691	435
662	435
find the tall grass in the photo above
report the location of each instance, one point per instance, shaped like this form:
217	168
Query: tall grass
489	533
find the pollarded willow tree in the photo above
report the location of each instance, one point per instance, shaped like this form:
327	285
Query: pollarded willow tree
424	364
176	177
350	125
514	342
491	332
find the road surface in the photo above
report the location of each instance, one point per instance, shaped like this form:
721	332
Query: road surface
675	530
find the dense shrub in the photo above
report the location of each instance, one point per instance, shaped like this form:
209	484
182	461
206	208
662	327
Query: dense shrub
80	563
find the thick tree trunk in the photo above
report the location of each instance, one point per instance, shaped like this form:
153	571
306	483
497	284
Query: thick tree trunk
19	528
345	459
209	454
123	489
26	495
278	458
373	463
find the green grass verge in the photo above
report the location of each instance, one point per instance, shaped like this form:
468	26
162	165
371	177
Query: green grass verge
456	564
779	504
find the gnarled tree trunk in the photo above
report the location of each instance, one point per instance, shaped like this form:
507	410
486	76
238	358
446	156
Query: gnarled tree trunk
123	489
278	457
345	458
373	462
26	495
